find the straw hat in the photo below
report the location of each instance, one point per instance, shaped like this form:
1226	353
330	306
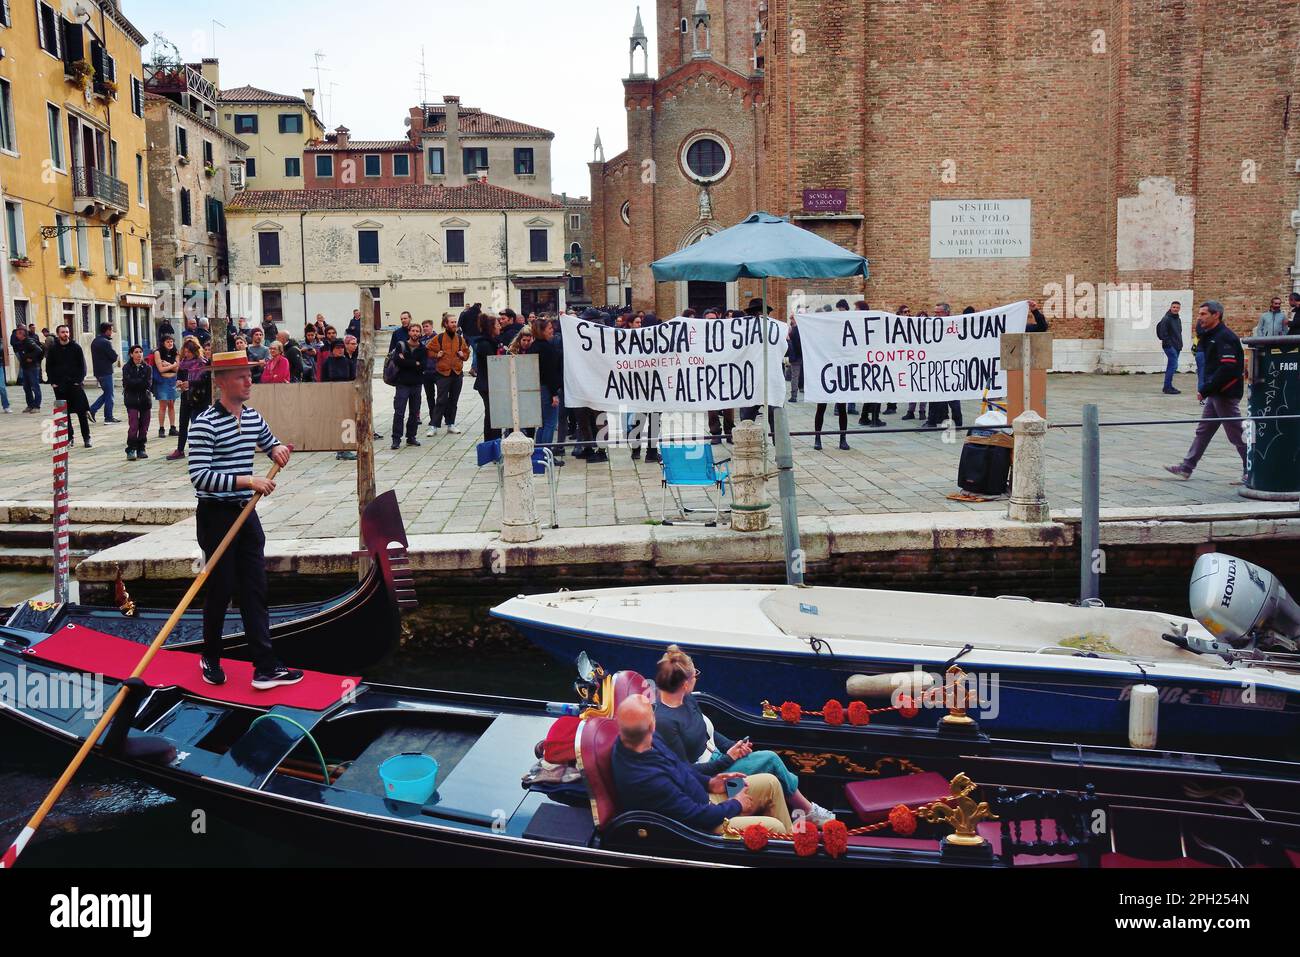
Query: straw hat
226	361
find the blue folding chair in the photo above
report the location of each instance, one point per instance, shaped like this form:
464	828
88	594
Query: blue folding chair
692	466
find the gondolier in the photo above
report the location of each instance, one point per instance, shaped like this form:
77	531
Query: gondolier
223	439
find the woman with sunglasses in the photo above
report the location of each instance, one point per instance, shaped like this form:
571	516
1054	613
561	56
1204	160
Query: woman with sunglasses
681	726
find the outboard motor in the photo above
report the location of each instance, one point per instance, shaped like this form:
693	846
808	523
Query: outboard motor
1242	604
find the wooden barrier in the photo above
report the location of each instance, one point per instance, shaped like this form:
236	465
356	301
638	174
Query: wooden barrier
310	416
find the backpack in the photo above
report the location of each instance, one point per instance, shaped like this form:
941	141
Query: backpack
390	369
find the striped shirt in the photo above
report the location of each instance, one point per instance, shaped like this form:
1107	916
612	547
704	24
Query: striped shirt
221	450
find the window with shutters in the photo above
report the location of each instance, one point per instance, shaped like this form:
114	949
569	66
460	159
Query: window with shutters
55	120
372	164
368	246
83	245
455	245
324	165
290	122
6	19
139	178
185	207
250	168
216	216
245	122
49	33
8	141
268	249
401	164
537	245
207	153
137	96
292	167
74	45
523	161
64	240
110	261
182	142
436	167
474	158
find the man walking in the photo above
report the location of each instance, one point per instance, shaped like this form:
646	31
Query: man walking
103	356
1274	322
223	439
1169	331
65	368
1222	390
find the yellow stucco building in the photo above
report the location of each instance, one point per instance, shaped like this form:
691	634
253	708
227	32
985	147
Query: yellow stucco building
73	158
276	127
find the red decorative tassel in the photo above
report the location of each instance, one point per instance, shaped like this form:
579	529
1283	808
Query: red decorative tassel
833	712
859	713
835	838
755	837
805	838
907	708
903	821
791	712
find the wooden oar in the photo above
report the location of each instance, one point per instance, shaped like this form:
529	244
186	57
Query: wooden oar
16	848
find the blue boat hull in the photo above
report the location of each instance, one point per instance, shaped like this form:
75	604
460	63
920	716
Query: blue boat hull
1024	701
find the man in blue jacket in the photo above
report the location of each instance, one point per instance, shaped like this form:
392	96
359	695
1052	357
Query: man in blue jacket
651	777
1222	391
103	356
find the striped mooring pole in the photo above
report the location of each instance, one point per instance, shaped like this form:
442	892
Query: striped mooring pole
62	443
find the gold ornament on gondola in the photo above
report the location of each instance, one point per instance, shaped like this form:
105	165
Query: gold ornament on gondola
121	597
961	812
954	696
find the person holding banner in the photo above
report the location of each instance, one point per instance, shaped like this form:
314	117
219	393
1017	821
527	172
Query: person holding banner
953	407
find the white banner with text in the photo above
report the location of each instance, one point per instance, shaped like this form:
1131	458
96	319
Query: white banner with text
681	365
882	357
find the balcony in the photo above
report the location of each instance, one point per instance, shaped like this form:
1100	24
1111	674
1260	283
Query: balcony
97	187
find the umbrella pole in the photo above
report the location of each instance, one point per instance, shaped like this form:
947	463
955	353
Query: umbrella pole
794	560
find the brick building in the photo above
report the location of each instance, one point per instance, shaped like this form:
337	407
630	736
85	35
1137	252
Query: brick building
1075	153
340	162
463	143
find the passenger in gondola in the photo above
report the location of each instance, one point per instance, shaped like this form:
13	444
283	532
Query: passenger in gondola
690	735
649	776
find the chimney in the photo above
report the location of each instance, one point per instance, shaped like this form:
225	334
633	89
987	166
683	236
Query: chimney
341	137
211	71
454	163
309	97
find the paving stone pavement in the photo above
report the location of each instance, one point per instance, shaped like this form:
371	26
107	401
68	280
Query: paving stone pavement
442	490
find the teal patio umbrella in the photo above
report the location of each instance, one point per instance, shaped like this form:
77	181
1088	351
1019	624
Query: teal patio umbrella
760	247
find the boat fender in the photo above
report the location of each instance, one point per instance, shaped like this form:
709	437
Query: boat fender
911	683
1143	714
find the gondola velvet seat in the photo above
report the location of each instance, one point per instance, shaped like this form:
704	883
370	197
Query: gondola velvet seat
595	747
873	800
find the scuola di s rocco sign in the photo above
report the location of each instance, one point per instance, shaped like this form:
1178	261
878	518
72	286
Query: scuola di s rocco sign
688	365
879	356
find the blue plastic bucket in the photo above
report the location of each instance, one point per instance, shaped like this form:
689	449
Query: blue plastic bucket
409	777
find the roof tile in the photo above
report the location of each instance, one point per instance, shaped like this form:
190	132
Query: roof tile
470	196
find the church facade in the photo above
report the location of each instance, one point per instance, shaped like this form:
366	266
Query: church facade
1101	156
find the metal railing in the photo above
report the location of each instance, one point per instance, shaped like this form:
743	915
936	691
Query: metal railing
93	183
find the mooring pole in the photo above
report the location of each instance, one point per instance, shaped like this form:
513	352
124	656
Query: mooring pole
62	442
1090	524
794	558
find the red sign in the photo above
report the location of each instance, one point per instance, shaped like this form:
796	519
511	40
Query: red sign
825	200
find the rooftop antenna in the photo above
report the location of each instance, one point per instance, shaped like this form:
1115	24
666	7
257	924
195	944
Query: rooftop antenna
424	80
215	24
318	56
329	106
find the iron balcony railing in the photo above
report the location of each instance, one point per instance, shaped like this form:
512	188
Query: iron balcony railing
89	182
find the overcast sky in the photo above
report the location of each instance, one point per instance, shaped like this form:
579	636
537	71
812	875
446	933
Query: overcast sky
557	65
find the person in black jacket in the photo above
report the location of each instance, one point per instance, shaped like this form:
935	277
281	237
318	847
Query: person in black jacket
292	353
1294	302
409	358
1039	321
1222	391
28	351
103	356
550	370
65	368
485	347
137	378
336	367
1169	331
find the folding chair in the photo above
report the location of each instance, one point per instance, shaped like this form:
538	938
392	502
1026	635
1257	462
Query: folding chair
692	466
543	464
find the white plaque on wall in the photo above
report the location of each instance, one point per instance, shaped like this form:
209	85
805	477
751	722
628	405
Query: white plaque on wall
979	228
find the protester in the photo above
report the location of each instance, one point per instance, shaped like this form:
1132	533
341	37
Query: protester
487	346
65	368
30	355
409	358
1294	301
137	378
448	351
467	321
1222	391
794	355
819	418
936	415
401	334
350	345
194	388
1040	321
293	353
103	356
258	354
276	370
429	374
1169	330
269	330
335	367
1274	322
354	324
166	363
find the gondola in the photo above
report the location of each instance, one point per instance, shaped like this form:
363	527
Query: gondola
1228	678
347	632
303	763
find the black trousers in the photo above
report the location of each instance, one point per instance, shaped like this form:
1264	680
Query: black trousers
940	411
241	574
489	433
406	403
841	413
718	420
448	398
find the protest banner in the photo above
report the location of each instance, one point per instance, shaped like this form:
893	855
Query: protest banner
684	365
882	357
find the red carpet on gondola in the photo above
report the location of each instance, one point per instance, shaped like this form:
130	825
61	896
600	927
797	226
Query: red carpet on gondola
87	650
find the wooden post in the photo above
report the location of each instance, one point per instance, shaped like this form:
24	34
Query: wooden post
364	418
1026	357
